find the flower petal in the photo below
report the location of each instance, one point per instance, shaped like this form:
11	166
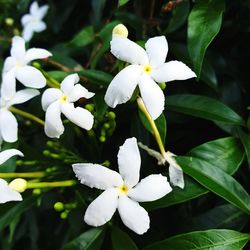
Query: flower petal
7	194
9	64
26	19
95	175
34	8
152	96
18	48
24	95
171	71
129	162
39	26
7	154
157	49
133	215
8	126
78	92
128	51
28	31
102	208
42	11
49	96
68	83
53	124
34	53
30	77
123	85
151	188
79	116
8	87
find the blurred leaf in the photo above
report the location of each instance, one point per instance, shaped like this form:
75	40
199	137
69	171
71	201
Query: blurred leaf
215	239
204	23
97	76
245	139
121	240
122	2
132	19
97	11
100	105
89	240
203	107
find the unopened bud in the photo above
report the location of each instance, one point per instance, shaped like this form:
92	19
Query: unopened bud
120	30
59	206
9	21
19	185
162	85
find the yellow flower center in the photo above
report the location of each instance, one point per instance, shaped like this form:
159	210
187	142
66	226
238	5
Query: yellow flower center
123	190
147	69
63	98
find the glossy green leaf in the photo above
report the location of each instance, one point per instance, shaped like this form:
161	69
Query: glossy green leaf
245	139
215	239
203	107
204	23
121	240
217	181
89	240
96	76
122	2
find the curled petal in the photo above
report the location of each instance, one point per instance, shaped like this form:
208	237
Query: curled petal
128	51
102	208
18	48
68	83
152	95
129	161
33	54
171	71
151	188
133	215
94	175
23	95
7	154
7	194
157	49
78	92
49	96
123	85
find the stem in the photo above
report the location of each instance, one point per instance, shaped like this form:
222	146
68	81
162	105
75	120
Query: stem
26	115
156	133
67	183
23	175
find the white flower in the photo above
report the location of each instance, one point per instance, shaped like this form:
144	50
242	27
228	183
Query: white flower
122	191
57	101
32	22
6	192
147	68
9	97
17	66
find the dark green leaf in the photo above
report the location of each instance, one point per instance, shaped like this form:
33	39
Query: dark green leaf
122	2
245	139
204	23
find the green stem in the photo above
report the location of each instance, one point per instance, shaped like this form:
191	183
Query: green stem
156	133
23	175
67	183
26	115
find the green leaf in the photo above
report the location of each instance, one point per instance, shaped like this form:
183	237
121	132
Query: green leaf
122	2
160	123
97	76
89	240
215	239
121	240
245	139
217	181
203	107
204	23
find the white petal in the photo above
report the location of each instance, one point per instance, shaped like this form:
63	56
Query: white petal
8	87
171	71
78	92
18	48
123	85
24	95
7	194
79	116
129	162
7	154
102	208
152	96
8	126
133	215
68	83
30	77
9	64
34	8
28	31
49	96
26	19
128	51
94	175
151	188
176	176
42	11
33	54
157	49
39	26
53	123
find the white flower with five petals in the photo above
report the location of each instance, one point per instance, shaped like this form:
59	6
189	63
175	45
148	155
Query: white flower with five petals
6	192
147	67
122	191
57	101
32	22
17	66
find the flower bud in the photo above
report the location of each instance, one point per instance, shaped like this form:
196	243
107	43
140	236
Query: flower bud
162	85
9	21
19	185
59	206
102	138
111	115
64	215
120	30
37	191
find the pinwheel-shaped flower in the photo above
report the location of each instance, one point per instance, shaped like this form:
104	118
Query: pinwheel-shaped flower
122	191
6	192
57	101
17	64
8	98
147	67
32	22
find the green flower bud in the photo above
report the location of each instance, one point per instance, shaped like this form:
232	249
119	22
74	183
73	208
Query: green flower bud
102	138
59	206
64	215
111	115
9	21
89	107
37	191
162	85
106	125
